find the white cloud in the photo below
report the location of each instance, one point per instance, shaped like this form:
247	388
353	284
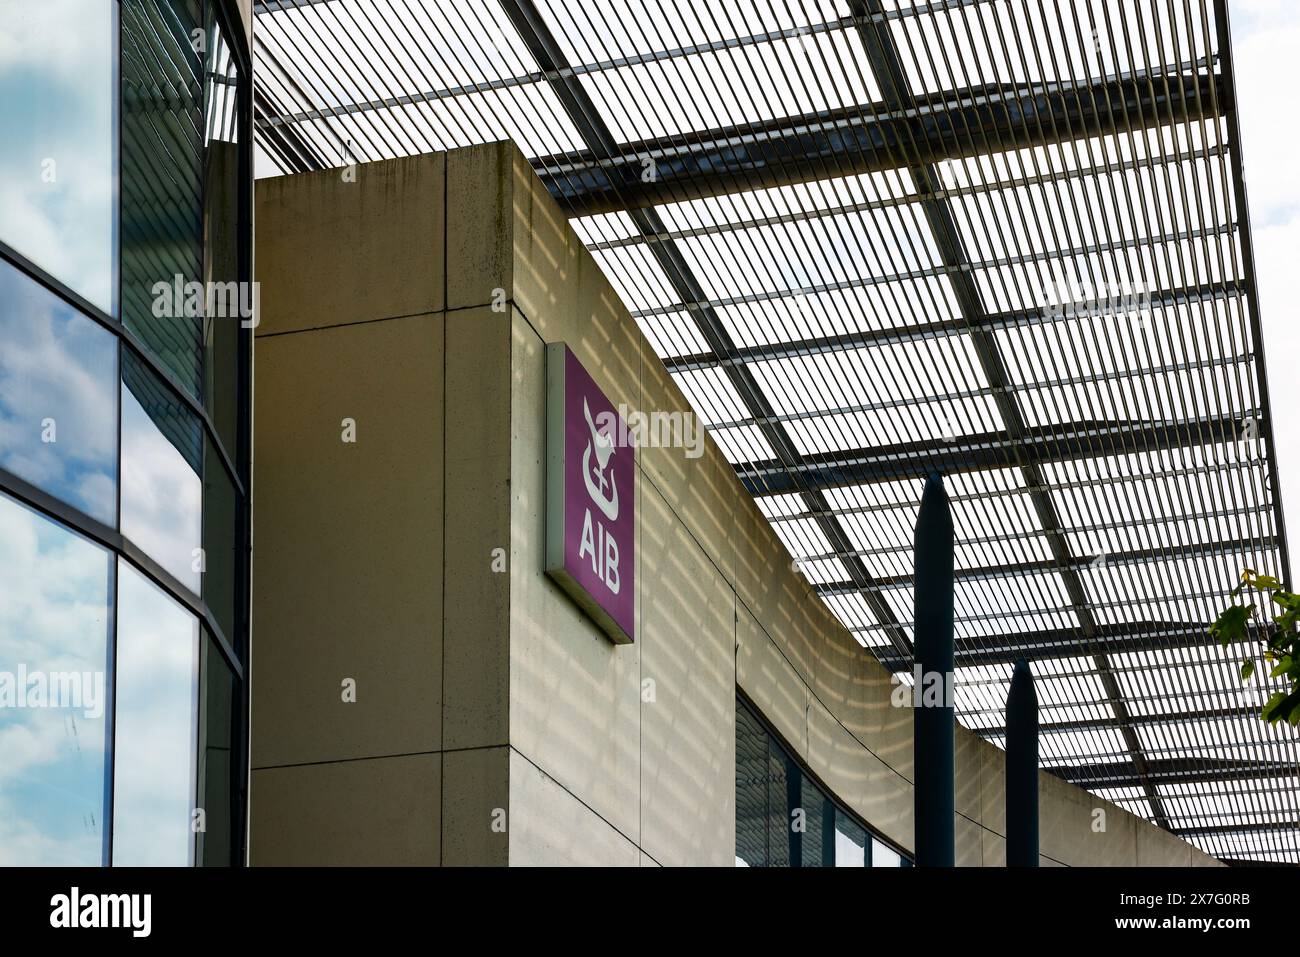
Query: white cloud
56	90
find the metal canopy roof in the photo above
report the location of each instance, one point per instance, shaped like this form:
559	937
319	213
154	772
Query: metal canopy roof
1001	239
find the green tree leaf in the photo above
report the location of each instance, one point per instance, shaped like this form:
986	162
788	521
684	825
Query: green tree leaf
1269	712
1230	626
1278	646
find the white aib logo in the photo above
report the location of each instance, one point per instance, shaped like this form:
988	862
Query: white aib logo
598	543
596	478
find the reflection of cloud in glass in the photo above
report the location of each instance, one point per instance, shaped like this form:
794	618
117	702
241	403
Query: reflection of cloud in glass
57	90
54	594
57	365
162	495
156	707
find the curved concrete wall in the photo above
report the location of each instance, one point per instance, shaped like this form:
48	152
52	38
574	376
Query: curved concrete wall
580	750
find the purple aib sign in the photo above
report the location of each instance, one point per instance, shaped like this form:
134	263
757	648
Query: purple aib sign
590	497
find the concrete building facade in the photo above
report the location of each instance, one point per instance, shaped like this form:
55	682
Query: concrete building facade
422	693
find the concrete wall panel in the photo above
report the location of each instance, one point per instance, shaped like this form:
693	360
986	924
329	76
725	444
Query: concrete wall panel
703	489
378	811
476	812
771	682
970	774
993	849
1157	848
476	618
550	827
969	841
1069	831
769	587
688	673
349	543
480	208
865	783
339	252
574	694
888	728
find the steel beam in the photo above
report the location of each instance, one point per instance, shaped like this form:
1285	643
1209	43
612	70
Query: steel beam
1253	827
868	138
897	335
1036	445
1123	774
1137	720
1137	556
1058	643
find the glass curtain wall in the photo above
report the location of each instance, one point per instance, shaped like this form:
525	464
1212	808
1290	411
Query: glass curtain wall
125	335
784	818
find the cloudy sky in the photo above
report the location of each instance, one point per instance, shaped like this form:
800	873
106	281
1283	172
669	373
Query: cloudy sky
56	175
1266	38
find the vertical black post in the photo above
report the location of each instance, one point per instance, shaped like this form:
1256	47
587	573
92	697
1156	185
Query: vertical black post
1022	769
933	740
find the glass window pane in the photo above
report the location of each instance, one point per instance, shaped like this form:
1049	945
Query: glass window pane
162	181
231	301
778	807
220	521
882	855
162	493
216	717
58	397
771	786
850	843
751	789
55	600
154	735
816	811
58	191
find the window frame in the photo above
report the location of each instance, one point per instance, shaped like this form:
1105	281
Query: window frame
797	772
